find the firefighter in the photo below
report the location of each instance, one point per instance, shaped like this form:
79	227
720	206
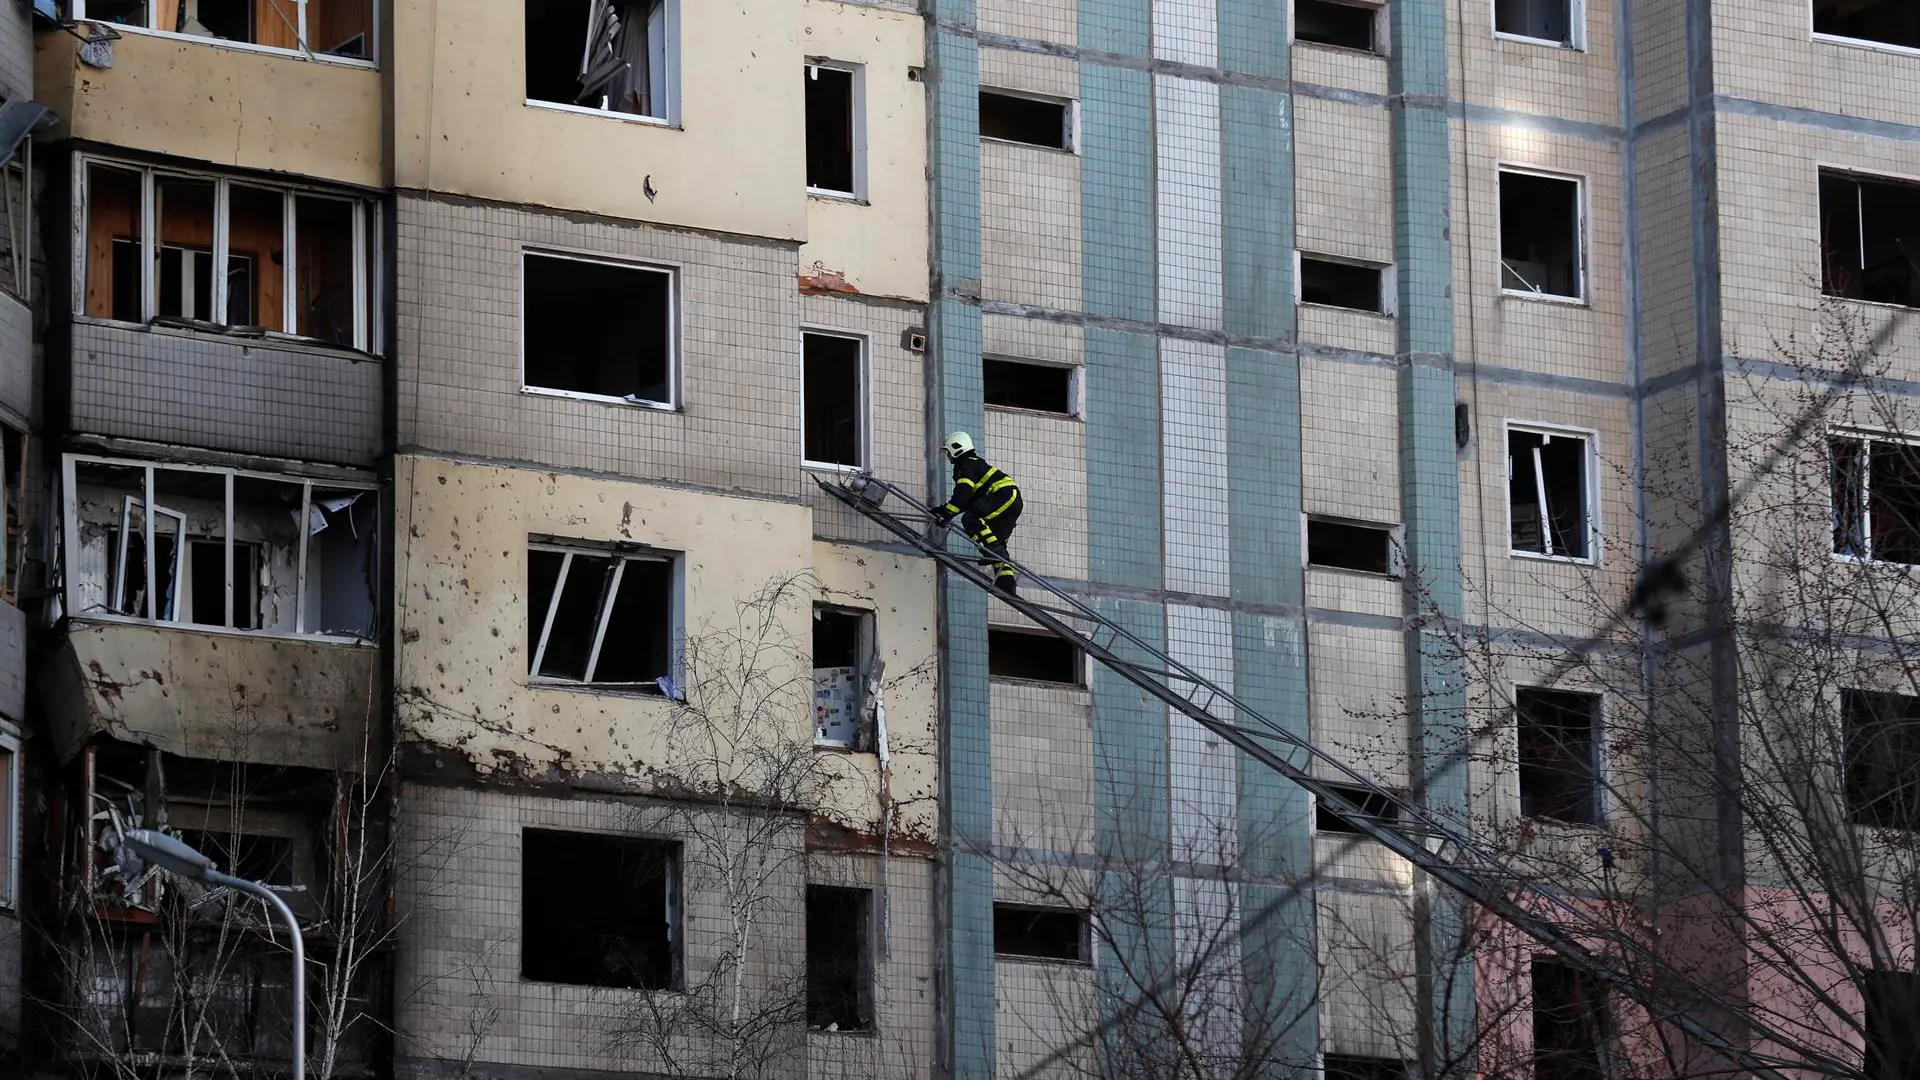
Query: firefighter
986	500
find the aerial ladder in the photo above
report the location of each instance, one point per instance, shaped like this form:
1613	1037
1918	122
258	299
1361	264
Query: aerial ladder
1440	848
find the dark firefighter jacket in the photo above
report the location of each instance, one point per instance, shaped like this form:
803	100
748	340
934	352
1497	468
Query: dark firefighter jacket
979	488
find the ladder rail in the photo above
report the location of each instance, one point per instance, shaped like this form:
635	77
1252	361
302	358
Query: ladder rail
1472	870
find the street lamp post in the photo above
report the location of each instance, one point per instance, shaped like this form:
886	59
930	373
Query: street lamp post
177	858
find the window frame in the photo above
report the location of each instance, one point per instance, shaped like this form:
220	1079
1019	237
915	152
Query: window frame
1853	42
1590	476
13	533
305	50
858	92
1576	27
672	271
1391	820
1582	213
674	861
369	280
1083	661
11	772
1070	123
866	939
1866	437
1076	385
1380	28
670	84
623	554
1601	797
868	646
1389	291
1821	171
1087	945
865	405
1396	546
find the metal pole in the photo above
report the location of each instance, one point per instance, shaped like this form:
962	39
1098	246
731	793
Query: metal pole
215	877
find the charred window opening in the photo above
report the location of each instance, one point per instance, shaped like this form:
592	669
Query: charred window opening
208	546
17	209
1335	283
835	399
1886	22
1876	499
333	27
598	910
1870	239
600	616
1325	22
1538	20
1034	656
1892	1000
9	823
1354	802
1017	384
1569	1018
597	328
1548	493
1558	754
1882	739
833	129
1031	120
839	960
843	663
1344	545
1355	1067
1041	933
1540	235
609	55
13	512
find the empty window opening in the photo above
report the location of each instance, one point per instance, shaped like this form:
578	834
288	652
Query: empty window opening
16	236
833	150
598	328
1540	235
1332	283
1354	802
1541	20
1558	760
1035	656
611	55
836	400
839	960
1324	22
332	27
9	823
1882	739
1354	1067
1345	545
13	504
598	910
1034	121
599	617
1888	22
1569	1017
1870	239
1548	493
1876	499
1040	933
1892	1000
1016	384
842	662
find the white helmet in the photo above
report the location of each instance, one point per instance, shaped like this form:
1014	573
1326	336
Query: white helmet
956	444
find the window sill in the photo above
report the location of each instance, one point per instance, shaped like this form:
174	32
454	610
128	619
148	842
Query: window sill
1566	560
647	691
631	403
1345	571
1044	684
1049	414
242	46
1523	39
833	467
1065	151
1349	310
582	110
106	619
167	325
1543	298
1868	560
1558	826
829	195
1042	961
849	1033
1343	50
1866	44
839	748
1888	305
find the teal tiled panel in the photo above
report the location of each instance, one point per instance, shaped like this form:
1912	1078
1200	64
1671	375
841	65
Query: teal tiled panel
1257	206
1123	458
1116	192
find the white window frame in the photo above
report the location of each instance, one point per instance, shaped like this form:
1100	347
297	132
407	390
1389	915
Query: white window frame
676	613
1853	42
1591	476
1072	120
865	406
672	273
1576	27
1076	386
1389	283
1581	215
1602	797
367	278
10	773
112	586
303	52
1866	437
1854	173
667	57
859	120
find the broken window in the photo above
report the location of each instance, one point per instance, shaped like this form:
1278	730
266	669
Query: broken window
1882	733
1040	933
197	224
329	27
1569	1016
1558	754
1355	1067
599	910
1870	239
1350	546
1337	283
598	328
1540	235
839	960
1021	384
1886	22
834	149
13	511
1876	499
600	615
835	399
9	819
16	241
843	660
1034	656
1022	119
1548	493
1355	802
1892	1000
1326	22
208	546
1538	20
607	55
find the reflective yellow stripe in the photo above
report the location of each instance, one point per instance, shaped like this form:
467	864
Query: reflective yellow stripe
1001	509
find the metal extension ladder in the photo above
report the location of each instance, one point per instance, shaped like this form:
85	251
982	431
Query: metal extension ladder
1437	847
